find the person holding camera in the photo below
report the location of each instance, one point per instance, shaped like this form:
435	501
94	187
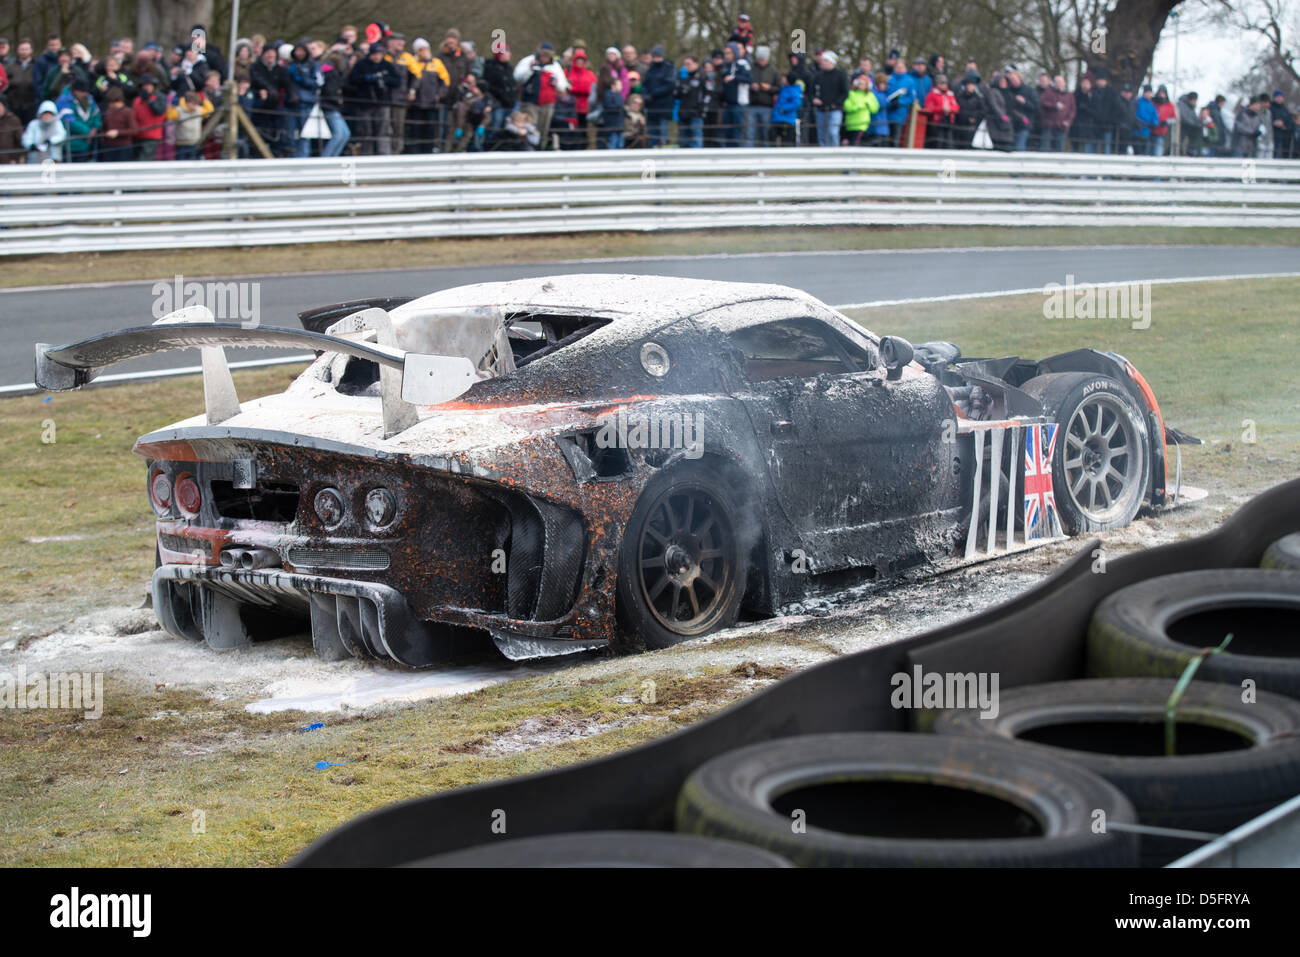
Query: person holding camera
372	82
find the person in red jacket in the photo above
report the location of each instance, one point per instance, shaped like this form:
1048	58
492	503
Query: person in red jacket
1167	111
150	109
941	109
581	83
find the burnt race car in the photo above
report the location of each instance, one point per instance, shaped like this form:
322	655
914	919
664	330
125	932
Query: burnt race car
542	460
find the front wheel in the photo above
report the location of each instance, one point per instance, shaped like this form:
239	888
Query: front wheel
1101	466
682	565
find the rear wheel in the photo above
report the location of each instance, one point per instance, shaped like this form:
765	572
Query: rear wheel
1102	464
682	565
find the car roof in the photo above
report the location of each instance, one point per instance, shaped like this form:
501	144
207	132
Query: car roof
653	300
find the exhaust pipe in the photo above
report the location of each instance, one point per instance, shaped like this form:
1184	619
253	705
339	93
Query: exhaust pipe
258	558
232	558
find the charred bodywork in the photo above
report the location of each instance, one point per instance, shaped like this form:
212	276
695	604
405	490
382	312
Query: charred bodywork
497	458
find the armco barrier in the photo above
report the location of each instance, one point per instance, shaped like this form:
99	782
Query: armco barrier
104	207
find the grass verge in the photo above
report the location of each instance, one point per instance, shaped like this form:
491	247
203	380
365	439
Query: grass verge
132	788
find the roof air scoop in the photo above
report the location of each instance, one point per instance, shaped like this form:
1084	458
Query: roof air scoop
220	401
376	325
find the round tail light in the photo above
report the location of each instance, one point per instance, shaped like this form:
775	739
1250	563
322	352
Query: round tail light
160	492
188	496
381	507
329	507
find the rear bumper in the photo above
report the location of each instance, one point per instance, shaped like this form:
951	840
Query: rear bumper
229	607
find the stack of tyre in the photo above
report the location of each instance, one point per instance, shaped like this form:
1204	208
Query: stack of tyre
1059	776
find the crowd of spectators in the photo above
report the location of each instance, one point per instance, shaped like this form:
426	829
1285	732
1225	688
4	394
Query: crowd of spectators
367	93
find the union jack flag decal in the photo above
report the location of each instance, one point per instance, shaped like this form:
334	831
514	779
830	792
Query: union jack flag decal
1041	518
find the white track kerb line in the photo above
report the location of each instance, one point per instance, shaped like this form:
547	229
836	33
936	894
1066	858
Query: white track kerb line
920	300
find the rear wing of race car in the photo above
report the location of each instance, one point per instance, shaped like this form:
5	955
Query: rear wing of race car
407	379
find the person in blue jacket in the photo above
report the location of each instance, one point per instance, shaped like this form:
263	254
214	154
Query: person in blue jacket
920	77
899	94
879	129
785	111
1147	118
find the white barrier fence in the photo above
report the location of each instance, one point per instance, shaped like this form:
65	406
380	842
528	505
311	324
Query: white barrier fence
104	207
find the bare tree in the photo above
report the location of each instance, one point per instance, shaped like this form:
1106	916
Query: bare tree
1277	22
169	21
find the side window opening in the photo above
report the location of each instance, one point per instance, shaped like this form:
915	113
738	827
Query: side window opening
798	348
536	335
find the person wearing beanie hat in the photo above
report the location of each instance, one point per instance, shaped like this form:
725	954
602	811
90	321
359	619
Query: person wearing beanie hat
81	117
541	82
614	70
150	110
372	81
659	90
830	88
764	87
920	77
942	111
1147	117
972	110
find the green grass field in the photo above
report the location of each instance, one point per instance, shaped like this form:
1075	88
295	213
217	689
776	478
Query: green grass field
122	790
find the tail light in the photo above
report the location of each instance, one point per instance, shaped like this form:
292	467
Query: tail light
160	492
329	507
187	494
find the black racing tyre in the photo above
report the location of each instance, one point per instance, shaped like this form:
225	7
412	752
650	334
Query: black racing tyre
1283	554
892	799
607	849
1235	760
1154	628
1101	469
683	562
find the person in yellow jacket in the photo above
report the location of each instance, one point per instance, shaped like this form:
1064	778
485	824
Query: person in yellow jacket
859	107
427	115
188	114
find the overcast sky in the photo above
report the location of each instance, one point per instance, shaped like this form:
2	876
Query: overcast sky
1211	56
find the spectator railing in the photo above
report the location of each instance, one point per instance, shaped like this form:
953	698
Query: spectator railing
105	207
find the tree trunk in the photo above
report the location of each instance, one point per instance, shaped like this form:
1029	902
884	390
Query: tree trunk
1132	31
169	21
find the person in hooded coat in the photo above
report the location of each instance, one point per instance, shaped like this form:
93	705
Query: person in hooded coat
45	138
